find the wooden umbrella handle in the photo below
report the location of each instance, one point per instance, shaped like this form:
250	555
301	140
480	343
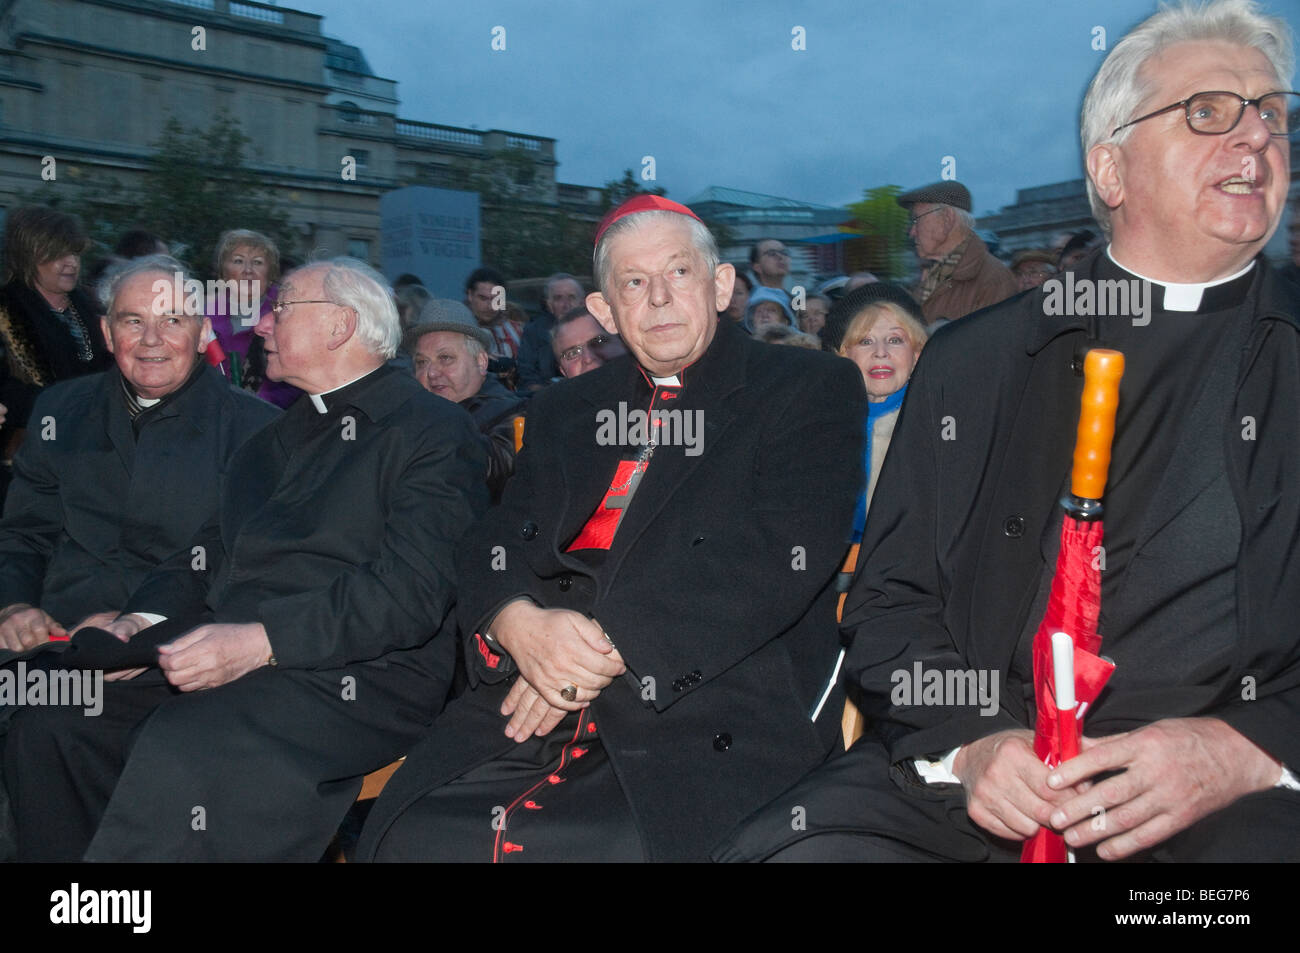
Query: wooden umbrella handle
1102	370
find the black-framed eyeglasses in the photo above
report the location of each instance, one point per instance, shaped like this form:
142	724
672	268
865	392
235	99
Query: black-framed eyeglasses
571	354
778	252
1217	112
279	306
911	222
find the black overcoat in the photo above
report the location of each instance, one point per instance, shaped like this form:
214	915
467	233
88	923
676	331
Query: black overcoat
962	528
966	520
93	507
718	589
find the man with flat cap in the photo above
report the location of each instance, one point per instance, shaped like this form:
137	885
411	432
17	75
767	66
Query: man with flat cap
449	352
960	274
649	613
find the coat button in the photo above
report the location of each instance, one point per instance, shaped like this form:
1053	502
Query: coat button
566	582
528	530
1013	526
721	741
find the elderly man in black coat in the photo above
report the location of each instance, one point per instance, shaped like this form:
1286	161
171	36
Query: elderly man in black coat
122	468
1189	752
297	632
650	610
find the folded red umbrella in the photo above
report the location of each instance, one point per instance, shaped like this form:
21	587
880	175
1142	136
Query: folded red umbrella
1075	599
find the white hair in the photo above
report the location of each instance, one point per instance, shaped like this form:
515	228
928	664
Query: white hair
111	283
964	218
555	279
701	238
353	284
1119	89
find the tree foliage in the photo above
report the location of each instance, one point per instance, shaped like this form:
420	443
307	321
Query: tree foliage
618	191
885	222
197	184
523	234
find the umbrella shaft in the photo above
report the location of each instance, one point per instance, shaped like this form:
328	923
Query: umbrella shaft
1081	508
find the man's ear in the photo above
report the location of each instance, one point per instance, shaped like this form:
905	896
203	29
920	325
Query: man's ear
108	338
205	334
601	311
1104	169
342	329
724	282
482	362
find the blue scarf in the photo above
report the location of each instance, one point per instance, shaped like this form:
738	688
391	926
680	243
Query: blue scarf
874	412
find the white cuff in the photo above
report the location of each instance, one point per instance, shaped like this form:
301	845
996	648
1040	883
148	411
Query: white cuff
939	772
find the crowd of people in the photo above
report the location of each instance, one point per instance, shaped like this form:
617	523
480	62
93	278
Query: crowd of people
581	570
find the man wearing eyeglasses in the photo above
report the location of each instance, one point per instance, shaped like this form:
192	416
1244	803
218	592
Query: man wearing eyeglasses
769	260
581	345
296	636
1190	752
959	274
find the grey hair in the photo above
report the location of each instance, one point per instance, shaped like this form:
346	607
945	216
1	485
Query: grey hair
1119	89
353	284
964	218
573	314
701	238
555	279
177	274
473	347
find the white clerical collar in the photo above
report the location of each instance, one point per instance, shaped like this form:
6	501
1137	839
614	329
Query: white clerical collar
147	401
1181	297
667	381
318	401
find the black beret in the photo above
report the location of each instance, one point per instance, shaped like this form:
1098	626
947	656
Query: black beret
939	193
846	309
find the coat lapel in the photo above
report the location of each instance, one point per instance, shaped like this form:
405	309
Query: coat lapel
586	473
120	432
586	467
720	372
1033	472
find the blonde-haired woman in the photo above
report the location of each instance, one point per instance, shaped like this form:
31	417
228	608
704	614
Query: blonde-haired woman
885	341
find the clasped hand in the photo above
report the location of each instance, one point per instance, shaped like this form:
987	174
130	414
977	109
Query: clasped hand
1171	774
553	649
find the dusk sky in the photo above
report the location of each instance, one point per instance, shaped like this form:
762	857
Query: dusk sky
714	91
